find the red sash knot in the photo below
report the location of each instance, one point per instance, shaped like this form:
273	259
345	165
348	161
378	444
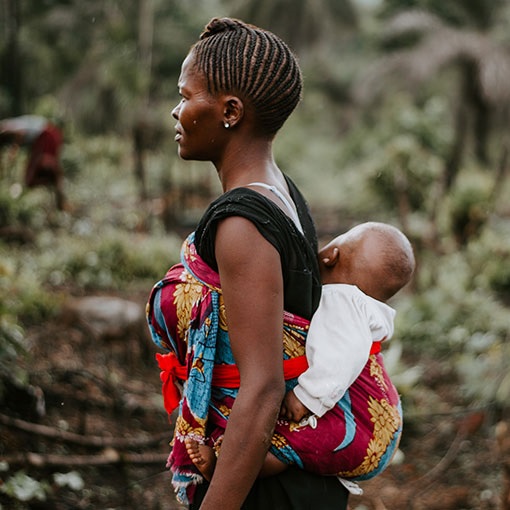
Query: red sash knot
224	376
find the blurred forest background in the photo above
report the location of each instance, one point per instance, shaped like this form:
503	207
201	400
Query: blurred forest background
405	119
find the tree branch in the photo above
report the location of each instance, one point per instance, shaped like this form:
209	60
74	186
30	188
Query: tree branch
109	456
71	437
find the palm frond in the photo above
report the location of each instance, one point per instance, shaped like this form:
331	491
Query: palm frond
440	47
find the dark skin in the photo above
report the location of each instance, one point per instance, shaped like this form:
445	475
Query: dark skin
251	278
353	258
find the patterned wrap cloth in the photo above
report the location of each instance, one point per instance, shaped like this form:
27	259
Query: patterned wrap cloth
355	440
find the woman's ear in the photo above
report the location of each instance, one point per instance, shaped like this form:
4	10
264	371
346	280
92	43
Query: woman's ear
331	256
233	111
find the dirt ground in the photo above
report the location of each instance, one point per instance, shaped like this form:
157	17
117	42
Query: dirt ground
95	408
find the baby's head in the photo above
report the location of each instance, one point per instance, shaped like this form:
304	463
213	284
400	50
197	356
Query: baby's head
376	257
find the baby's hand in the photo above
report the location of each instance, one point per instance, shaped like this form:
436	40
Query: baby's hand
292	409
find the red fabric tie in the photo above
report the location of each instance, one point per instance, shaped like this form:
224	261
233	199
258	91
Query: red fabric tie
171	372
224	376
376	348
227	376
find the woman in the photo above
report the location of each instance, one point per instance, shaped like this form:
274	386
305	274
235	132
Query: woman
252	256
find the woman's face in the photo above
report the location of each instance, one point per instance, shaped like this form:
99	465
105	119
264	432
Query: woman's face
199	130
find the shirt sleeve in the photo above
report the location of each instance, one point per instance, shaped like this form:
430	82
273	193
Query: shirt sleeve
338	347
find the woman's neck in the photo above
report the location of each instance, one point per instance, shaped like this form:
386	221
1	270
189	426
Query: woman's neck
247	163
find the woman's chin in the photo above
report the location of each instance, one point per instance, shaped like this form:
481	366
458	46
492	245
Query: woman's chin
183	154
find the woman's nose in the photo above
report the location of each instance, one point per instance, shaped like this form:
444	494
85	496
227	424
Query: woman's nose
175	112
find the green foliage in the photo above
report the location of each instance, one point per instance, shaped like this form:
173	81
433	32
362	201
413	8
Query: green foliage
470	205
450	315
478	13
488	258
24	491
499	276
12	349
456	314
15	212
22	487
306	23
484	372
89	53
455	301
23	296
400	155
114	260
98	248
404	166
12	344
72	479
23	302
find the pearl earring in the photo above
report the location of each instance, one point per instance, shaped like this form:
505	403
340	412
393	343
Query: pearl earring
227	125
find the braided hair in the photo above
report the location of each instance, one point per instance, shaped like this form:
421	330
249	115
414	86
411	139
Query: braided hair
253	63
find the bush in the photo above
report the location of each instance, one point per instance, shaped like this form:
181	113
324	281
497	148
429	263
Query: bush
114	260
15	211
457	315
470	205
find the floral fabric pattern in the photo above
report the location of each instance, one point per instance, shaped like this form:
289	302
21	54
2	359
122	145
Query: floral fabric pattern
356	439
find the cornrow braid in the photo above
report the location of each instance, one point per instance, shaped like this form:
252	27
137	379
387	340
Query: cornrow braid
256	64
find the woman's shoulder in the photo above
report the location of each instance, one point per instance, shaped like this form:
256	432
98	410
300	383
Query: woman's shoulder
237	198
259	209
270	220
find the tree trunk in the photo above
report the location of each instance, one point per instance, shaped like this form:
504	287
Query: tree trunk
11	68
462	118
145	37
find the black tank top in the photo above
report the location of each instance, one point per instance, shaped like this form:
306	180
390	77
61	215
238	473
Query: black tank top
298	252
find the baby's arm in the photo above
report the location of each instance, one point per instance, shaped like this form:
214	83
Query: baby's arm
337	349
292	409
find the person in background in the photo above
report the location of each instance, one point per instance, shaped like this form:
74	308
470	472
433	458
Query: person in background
44	141
346	382
235	311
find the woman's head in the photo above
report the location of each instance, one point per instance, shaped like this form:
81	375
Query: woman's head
252	63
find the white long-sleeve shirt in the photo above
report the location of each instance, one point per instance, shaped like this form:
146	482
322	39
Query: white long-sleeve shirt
340	337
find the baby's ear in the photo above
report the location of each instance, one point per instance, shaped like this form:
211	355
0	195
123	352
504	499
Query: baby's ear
331	257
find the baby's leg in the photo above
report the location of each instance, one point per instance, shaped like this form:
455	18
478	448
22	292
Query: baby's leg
204	458
272	466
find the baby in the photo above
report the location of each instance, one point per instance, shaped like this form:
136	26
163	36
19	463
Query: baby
360	271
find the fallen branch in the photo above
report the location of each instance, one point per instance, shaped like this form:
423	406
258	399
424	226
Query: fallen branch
422	484
111	398
108	457
71	437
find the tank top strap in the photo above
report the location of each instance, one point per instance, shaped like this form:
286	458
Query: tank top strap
291	208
